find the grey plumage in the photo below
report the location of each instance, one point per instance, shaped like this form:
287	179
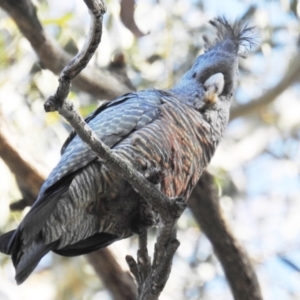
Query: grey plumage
168	136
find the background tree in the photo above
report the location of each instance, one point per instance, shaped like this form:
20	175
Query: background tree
256	167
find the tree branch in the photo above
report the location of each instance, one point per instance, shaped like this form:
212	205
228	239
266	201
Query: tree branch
127	17
237	266
118	282
100	84
292	74
28	176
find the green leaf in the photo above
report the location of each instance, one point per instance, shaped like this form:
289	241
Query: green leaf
62	21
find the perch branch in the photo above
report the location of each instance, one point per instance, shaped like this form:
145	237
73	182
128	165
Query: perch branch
151	280
237	266
168	209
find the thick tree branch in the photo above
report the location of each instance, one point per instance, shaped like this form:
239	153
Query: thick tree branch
239	271
292	75
27	175
102	85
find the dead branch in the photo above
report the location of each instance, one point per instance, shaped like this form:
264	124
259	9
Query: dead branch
237	266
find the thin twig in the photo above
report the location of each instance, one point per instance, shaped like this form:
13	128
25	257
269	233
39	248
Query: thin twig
80	61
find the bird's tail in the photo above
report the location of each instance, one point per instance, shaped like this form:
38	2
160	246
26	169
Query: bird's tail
30	259
24	260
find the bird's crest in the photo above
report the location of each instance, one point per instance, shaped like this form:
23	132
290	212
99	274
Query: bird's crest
240	34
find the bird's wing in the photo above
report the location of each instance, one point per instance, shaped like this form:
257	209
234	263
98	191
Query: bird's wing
111	123
95	113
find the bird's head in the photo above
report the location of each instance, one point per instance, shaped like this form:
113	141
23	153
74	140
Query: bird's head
210	83
214	74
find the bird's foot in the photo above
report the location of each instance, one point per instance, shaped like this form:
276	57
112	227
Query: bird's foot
151	278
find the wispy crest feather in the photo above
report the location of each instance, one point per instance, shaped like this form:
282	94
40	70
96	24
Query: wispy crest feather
241	34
